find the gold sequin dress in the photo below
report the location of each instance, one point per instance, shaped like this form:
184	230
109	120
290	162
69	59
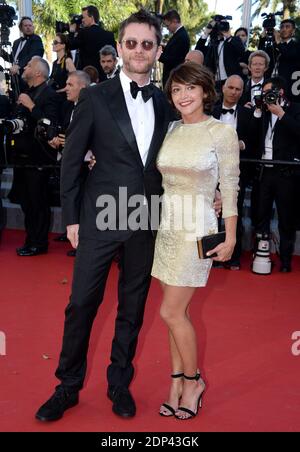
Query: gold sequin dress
193	159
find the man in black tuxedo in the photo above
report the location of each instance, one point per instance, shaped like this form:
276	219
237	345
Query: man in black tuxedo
280	134
5	109
258	65
39	102
230	112
90	39
177	47
24	49
124	121
284	56
222	54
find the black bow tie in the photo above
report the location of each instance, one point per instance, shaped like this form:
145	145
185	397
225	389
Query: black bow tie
227	110
147	91
259	85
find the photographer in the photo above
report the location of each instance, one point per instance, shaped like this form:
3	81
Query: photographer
4	113
280	135
31	183
24	48
284	53
258	65
223	52
90	39
177	47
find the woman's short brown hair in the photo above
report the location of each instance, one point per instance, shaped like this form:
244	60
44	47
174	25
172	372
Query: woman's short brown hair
190	73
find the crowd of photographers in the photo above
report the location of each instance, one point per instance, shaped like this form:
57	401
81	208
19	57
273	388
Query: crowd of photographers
259	95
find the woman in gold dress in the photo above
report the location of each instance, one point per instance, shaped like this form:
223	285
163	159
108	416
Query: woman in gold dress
199	153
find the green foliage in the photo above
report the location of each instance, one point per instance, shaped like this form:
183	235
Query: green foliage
112	12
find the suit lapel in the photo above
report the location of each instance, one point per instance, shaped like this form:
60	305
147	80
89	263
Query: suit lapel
117	105
159	127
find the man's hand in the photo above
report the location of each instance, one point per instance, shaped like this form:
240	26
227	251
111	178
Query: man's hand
92	162
54	143
277	36
26	101
276	110
248	105
15	69
73	234
242	145
73	28
226	34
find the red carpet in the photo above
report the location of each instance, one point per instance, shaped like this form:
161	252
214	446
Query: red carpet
244	323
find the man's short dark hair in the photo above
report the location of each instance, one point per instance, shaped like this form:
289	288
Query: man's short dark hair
108	50
23	20
172	15
276	82
141	17
289	21
92	11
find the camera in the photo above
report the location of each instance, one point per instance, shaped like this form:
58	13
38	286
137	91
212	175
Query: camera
13	126
262	264
46	131
269	25
7	17
62	27
270	97
221	26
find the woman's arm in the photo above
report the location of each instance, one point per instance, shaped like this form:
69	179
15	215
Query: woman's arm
70	65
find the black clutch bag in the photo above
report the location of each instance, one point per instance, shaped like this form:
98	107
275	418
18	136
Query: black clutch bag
209	242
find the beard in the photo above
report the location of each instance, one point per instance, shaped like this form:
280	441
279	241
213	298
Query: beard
138	67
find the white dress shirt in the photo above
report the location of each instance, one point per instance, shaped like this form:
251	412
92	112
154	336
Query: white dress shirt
229	118
221	72
254	92
268	154
141	115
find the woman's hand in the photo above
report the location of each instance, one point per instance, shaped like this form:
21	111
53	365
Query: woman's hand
224	251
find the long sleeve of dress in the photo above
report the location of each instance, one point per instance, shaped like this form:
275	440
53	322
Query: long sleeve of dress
228	154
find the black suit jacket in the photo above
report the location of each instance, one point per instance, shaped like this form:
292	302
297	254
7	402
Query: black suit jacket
243	116
46	106
33	47
101	122
89	41
233	51
175	52
246	96
286	136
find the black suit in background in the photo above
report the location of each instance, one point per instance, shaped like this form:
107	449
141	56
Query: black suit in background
89	41
278	183
285	57
30	186
101	122
247	93
233	51
175	52
33	47
5	109
243	116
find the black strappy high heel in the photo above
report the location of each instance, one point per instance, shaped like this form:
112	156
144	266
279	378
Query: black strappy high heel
191	413
166	405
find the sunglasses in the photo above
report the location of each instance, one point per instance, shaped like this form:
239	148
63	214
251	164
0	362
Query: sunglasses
132	44
56	42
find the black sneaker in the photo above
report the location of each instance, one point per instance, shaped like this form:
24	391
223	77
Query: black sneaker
55	407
